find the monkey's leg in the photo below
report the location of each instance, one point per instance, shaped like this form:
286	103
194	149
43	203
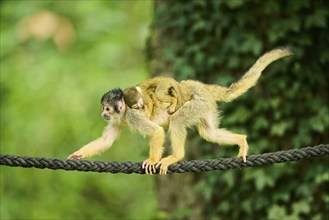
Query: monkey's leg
137	120
149	109
209	131
184	117
177	136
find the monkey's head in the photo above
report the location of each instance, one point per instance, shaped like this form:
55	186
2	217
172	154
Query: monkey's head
133	97
113	105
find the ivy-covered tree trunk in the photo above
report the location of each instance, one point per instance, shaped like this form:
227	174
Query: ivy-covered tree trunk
216	42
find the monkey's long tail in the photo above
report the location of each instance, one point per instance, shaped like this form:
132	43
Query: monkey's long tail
249	79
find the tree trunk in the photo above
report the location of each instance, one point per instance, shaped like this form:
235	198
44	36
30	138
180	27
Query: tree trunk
175	192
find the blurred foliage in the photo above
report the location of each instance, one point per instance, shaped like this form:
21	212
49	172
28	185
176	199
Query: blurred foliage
57	59
215	42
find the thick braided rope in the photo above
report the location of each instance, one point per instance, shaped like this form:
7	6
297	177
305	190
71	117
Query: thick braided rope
181	167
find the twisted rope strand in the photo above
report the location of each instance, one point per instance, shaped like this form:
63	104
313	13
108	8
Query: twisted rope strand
181	167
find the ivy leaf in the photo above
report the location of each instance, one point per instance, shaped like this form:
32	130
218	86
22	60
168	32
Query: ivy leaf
234	4
276	212
319	19
301	207
278	129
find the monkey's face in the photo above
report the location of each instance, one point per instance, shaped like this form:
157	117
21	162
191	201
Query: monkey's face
107	112
113	105
133	97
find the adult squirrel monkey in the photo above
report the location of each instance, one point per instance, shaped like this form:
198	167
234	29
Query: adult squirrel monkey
198	108
145	108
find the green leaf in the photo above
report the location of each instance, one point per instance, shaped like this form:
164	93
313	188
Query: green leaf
234	4
318	19
276	212
301	207
279	128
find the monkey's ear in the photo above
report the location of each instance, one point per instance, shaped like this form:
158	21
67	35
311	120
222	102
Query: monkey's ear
120	105
139	90
140	103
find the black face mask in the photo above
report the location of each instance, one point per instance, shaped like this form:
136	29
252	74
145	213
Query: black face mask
112	98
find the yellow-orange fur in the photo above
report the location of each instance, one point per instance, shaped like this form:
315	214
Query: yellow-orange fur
158	92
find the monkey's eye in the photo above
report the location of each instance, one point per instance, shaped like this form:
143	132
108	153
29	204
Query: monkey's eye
107	109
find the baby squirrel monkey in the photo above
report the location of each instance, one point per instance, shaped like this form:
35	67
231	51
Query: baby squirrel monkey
158	92
198	108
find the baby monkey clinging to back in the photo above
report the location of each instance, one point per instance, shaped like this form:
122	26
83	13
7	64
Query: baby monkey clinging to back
158	92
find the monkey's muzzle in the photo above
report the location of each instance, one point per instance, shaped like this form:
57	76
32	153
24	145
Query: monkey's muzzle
106	117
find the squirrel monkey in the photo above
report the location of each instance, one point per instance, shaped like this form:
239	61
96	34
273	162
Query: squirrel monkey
198	108
134	108
156	92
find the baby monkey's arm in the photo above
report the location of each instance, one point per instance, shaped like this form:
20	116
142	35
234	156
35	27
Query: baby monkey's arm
168	95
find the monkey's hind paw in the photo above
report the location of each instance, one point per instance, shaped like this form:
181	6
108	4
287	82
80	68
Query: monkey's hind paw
163	167
149	166
243	152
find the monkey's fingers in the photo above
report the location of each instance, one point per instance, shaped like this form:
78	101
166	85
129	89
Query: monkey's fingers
76	156
149	166
163	168
152	169
144	164
243	152
244	157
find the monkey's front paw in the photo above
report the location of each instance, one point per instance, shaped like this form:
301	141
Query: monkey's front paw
149	166
78	155
171	110
166	162
163	167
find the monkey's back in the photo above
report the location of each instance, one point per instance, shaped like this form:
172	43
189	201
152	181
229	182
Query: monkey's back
192	89
164	83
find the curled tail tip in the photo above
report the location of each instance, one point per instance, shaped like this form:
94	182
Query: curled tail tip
286	50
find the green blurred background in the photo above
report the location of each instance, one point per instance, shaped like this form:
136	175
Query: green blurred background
50	106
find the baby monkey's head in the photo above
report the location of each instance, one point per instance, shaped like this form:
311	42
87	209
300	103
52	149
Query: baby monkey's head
133	97
113	105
